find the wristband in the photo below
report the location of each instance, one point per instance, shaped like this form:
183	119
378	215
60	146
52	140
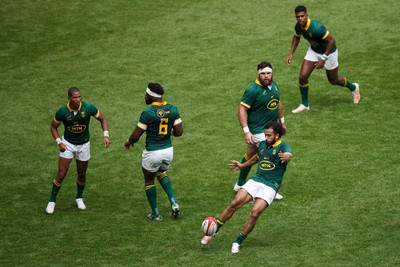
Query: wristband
246	129
58	140
106	134
282	120
324	57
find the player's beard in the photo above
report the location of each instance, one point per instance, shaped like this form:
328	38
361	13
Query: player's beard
270	143
265	82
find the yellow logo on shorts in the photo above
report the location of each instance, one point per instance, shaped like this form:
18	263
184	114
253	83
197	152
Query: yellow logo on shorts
266	165
273	104
77	128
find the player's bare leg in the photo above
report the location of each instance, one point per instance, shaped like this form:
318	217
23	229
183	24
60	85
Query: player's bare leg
335	79
259	206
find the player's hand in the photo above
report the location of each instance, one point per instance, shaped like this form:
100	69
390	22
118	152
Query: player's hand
320	64
289	59
248	138
62	147
127	145
235	165
106	142
284	157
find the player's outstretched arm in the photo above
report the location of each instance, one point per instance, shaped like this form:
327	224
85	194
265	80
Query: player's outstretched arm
236	165
135	136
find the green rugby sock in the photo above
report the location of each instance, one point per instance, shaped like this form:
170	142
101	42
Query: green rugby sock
55	189
243	173
219	225
80	186
349	85
151	194
167	186
304	94
241	237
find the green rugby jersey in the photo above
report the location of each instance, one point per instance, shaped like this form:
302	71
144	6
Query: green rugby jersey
315	33
270	169
261	104
76	126
158	121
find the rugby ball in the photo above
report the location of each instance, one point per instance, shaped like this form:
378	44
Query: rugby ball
209	226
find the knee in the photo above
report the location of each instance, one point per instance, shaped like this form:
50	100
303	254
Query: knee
234	205
255	214
303	79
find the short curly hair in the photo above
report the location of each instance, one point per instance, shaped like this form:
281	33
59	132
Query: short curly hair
156	88
264	64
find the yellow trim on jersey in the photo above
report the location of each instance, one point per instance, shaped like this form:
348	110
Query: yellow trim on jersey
326	34
70	109
245	105
307	25
258	82
177	121
97	114
143	126
159	103
277	143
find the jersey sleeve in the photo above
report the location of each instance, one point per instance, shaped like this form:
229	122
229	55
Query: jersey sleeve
320	30
93	110
177	117
58	116
285	148
248	98
297	30
144	120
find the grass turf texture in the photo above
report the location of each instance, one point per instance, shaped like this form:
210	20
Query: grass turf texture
341	188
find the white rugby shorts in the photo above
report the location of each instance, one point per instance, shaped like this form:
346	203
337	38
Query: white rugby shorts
79	152
259	190
331	63
158	160
258	138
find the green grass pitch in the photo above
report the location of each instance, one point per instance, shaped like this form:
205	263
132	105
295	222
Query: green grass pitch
341	190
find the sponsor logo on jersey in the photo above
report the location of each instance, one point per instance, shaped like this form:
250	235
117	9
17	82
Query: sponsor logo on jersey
162	113
273	104
77	128
267	165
